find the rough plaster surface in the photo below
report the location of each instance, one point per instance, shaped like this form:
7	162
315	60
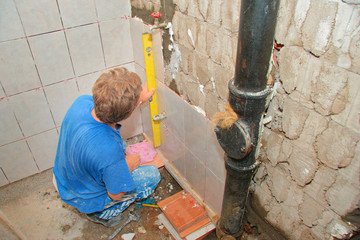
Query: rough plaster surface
310	174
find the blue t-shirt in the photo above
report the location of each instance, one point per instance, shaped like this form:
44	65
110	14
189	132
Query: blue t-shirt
90	159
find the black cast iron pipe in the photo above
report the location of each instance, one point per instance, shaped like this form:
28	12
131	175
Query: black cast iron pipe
248	93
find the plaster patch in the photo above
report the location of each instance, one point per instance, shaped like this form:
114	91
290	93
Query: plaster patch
323	34
175	60
191	37
300	12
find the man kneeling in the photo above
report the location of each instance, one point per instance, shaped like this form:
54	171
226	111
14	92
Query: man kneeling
92	172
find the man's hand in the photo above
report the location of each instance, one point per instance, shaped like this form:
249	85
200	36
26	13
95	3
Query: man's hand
145	95
133	161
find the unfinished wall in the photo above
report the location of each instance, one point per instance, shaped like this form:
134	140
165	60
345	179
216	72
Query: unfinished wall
51	52
309	177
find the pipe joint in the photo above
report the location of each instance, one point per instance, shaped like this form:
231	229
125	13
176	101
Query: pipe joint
236	141
247	104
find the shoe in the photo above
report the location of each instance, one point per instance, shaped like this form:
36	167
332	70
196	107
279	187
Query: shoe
107	223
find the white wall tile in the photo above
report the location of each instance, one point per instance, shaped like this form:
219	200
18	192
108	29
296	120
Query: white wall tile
85	49
132	126
10	24
61	96
39	16
195	125
137	28
146	120
174	108
86	82
195	172
3	179
117	43
17	161
141	72
172	148
32	111
52	57
214	153
77	12
214	192
9	128
17	76
43	147
158	55
2	93
110	9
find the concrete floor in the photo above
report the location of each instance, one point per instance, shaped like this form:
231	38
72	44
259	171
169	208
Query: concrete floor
32	209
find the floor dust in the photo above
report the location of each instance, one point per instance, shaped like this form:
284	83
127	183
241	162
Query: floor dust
32	209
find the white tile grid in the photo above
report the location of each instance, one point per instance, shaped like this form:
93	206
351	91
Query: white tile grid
174	108
195	173
86	82
195	152
43	147
85	49
117	45
60	97
172	149
52	57
17	161
3	179
2	93
77	12
32	112
195	125
214	153
139	70
10	24
132	126
145	118
110	9
137	28
9	128
39	17
214	191
158	56
17	76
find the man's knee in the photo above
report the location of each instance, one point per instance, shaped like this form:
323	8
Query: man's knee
147	175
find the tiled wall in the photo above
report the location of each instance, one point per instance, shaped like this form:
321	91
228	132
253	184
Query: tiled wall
52	51
189	143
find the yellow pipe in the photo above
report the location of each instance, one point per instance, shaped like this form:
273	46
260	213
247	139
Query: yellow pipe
150	78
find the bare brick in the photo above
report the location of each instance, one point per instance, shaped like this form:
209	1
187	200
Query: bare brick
264	196
298	69
221	77
182	5
317	27
279	182
303	165
343	196
336	146
323	179
230	11
273	148
314	125
327	86
214	15
310	211
294	117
